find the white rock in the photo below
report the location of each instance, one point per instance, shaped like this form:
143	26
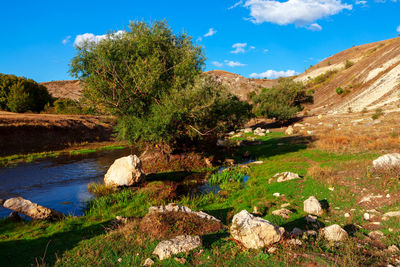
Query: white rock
254	232
347	215
286	176
284	213
393	249
298	125
148	262
183	243
334	233
376	235
387	161
248	130
312	206
33	210
272	250
285	205
125	171
172	207
389	214
295	242
367	216
276	194
289	131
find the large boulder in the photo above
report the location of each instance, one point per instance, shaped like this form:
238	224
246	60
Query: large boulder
334	233
387	161
184	243
312	206
173	207
33	210
254	232
125	171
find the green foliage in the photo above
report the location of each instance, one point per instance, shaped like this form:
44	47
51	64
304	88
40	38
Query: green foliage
236	174
377	114
348	64
324	77
339	90
150	78
69	106
283	101
18	94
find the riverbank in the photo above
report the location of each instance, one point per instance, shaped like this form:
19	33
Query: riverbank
34	133
341	178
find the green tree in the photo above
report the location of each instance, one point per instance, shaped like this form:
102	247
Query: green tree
150	78
282	101
18	94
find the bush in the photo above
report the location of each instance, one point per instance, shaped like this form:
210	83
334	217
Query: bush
18	94
339	90
348	64
150	79
283	101
324	77
69	106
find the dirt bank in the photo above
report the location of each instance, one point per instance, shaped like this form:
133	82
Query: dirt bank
27	133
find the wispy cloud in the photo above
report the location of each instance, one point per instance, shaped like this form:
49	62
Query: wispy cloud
210	32
398	29
66	40
217	64
314	27
266	50
91	38
235	5
233	64
239	48
273	74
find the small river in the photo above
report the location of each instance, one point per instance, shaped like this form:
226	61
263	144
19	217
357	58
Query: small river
58	183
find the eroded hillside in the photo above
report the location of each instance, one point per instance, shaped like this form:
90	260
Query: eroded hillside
368	74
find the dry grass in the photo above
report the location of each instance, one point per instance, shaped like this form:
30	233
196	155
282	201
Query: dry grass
171	224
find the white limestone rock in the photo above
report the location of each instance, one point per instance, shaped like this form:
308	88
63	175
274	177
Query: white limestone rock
125	171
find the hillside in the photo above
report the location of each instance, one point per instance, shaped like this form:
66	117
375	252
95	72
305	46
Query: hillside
71	89
370	79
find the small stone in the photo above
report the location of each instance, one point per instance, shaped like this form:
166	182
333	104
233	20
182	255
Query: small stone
367	216
393	249
331	188
334	233
376	235
312	206
119	260
180	260
121	219
256	211
285	205
286	176
297	232
184	243
148	262
390	214
272	250
284	213
347	215
295	242
388	196
311	233
289	131
248	130
276	194
390	229
311	219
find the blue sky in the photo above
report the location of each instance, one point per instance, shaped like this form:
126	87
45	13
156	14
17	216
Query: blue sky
254	38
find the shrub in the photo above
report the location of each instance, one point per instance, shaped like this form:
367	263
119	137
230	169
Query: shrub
377	114
339	90
283	101
69	106
18	94
324	77
348	64
150	79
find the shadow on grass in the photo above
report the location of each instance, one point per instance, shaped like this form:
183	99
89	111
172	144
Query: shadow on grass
302	224
210	239
221	214
26	252
275	146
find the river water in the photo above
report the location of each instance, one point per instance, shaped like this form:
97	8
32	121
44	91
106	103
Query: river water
58	183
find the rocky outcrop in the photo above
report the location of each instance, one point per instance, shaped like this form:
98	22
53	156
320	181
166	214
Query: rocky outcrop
254	232
33	210
312	206
184	243
388	161
289	131
172	207
286	176
334	233
125	171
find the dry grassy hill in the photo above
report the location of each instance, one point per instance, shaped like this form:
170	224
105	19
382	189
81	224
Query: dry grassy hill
369	75
71	89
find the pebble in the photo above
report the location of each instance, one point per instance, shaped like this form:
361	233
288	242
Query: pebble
367	216
120	259
393	249
331	188
388	196
347	215
148	262
272	250
276	194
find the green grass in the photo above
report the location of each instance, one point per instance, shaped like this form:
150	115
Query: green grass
88	240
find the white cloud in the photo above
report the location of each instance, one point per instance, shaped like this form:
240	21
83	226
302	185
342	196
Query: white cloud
361	2
236	4
314	27
234	63
66	40
252	47
266	50
398	29
239	48
91	38
210	32
273	74
217	64
298	12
